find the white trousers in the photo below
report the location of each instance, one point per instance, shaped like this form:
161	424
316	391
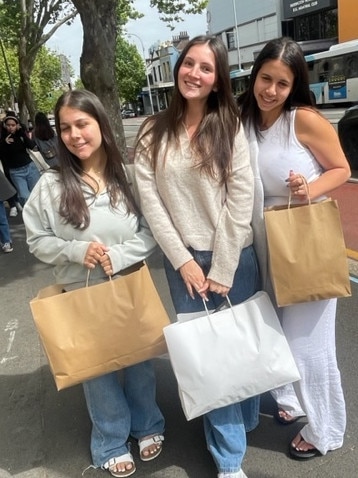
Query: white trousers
310	331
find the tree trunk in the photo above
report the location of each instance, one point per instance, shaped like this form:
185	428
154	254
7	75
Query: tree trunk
25	96
97	61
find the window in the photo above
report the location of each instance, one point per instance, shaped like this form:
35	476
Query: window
230	39
317	26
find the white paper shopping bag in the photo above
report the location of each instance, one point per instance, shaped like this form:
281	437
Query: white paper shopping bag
229	356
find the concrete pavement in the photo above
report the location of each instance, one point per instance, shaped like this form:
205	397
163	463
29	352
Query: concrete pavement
45	433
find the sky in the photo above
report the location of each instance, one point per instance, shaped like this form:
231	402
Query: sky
68	39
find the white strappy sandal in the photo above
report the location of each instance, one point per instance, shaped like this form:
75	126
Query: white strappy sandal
147	442
112	462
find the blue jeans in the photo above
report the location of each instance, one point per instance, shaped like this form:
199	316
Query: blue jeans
4	225
225	428
120	408
24	179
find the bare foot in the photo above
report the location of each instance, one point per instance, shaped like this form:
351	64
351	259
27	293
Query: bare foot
285	415
150	446
301	445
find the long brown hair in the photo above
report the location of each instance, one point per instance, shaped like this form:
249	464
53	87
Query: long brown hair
73	206
214	139
290	53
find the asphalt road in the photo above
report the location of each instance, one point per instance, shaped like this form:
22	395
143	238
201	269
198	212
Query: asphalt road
45	433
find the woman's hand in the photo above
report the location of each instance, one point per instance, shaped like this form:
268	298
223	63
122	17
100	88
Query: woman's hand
94	254
218	288
106	264
194	279
298	185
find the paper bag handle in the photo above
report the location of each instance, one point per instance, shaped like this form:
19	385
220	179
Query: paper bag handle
128	270
88	276
208	313
307	189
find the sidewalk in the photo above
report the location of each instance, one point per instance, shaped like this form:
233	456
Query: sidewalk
45	433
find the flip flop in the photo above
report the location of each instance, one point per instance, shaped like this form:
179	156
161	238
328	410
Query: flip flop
302	454
283	420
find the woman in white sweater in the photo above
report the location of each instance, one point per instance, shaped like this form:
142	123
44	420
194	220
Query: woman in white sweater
196	185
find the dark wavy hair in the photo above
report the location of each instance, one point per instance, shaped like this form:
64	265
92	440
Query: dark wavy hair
214	138
42	128
290	53
73	207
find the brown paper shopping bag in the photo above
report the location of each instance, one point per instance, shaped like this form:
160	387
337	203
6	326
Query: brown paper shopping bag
307	254
95	330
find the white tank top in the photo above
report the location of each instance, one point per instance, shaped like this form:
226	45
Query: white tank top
279	152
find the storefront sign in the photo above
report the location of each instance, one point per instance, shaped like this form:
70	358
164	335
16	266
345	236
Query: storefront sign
295	8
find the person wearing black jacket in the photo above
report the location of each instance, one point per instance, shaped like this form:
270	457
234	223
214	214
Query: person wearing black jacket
13	151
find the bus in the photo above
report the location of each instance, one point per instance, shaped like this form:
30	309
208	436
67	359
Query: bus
333	76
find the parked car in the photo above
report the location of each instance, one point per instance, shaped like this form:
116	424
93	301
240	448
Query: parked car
128	114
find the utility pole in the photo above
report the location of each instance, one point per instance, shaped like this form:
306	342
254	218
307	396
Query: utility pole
146	70
15	105
237	34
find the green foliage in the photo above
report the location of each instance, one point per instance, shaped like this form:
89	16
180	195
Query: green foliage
172	11
78	84
125	12
46	80
130	70
10	21
23	25
6	97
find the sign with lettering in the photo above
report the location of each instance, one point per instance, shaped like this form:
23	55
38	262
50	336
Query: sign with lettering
295	8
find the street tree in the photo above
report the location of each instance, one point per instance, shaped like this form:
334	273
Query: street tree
9	75
102	20
23	23
45	81
130	71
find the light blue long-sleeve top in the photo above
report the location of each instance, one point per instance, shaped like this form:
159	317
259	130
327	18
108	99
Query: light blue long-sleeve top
52	241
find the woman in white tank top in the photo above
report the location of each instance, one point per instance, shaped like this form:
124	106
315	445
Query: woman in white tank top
290	139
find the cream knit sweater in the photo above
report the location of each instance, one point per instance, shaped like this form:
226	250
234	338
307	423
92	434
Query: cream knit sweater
184	207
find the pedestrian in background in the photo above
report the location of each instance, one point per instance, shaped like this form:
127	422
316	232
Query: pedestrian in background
193	170
45	139
13	202
292	143
15	158
6	191
83	216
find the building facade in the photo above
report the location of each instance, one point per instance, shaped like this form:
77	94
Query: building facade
246	25
160	67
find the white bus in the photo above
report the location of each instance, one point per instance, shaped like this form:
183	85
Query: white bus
333	75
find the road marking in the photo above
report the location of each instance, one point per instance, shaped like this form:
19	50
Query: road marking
11	327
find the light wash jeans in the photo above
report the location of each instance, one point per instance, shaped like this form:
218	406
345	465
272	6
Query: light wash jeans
4	225
24	179
120	408
225	428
